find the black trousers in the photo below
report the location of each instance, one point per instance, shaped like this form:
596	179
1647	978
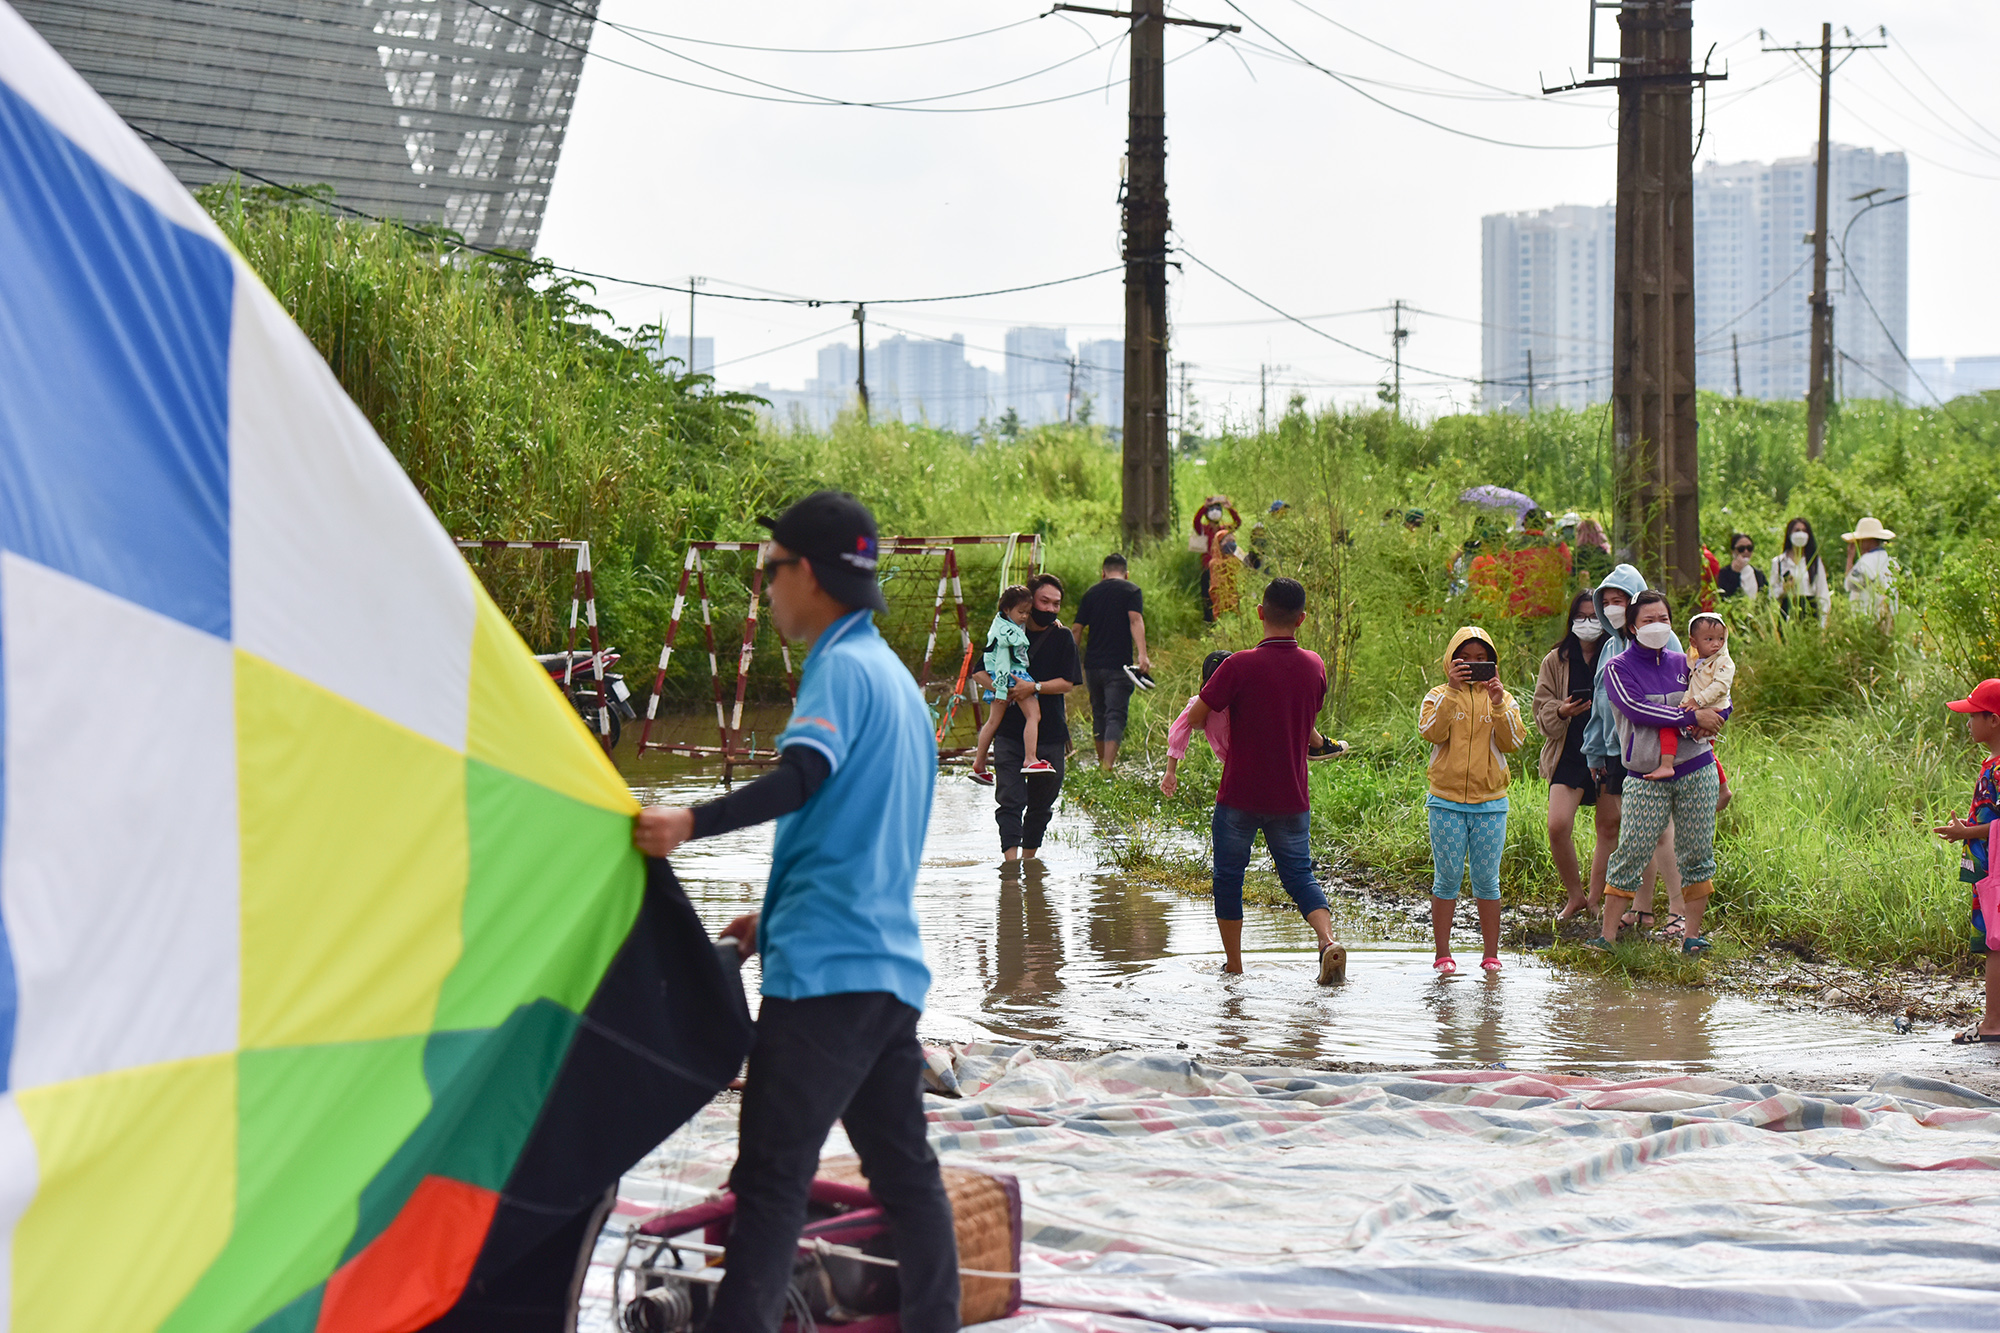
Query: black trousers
852	1058
1024	802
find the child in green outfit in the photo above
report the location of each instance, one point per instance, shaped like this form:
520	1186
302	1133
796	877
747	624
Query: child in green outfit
1982	719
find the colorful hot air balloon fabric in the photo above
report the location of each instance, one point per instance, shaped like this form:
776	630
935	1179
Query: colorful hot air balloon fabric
332	993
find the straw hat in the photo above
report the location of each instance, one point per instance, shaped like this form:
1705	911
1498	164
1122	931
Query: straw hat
1866	528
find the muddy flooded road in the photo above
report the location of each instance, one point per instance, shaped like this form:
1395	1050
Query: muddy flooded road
1066	953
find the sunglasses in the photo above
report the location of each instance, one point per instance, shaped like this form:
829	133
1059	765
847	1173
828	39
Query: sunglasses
1745	550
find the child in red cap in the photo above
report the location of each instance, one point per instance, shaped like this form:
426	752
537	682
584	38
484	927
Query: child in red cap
1982	719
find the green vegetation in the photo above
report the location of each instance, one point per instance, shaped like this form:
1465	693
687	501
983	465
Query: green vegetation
1842	756
517	415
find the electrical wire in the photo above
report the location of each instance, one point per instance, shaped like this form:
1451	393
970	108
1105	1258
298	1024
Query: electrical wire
1921	157
1391	106
1342	342
1971	144
797	97
513	256
824	51
884	105
1904	51
1782	282
1436	69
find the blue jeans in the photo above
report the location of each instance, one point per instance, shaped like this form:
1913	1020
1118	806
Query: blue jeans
1286	836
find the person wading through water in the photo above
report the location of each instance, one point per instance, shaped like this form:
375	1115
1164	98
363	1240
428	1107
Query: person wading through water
1272	693
844	972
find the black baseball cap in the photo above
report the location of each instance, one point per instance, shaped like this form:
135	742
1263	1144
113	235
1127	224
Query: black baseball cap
836	533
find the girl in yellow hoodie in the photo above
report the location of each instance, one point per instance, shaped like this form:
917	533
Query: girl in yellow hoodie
1472	724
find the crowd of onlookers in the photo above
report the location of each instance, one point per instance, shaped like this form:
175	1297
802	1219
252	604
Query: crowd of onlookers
1629	705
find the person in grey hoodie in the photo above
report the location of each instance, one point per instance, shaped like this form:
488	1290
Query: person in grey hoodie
1603	753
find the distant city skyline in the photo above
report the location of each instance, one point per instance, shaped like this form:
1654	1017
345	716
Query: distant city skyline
1546	286
845	202
928	380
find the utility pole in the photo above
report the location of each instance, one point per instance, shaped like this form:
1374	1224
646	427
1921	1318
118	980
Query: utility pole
1736	363
1396	347
1531	383
861	360
1822	311
1069	402
1184	406
693	282
1656	497
1263	387
1148	500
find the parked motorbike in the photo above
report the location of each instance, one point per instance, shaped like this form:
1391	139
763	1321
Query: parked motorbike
573	673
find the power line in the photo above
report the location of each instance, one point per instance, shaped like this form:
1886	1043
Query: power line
798	97
1438	69
1904	51
1904	148
435	234
883	105
1391	106
824	51
1782	282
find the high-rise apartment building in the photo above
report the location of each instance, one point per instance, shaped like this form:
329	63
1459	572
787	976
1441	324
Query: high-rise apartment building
1037	371
1547	286
434	111
1545	301
1101	377
1753	225
924	381
928	380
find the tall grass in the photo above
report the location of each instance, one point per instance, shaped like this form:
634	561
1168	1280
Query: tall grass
517	414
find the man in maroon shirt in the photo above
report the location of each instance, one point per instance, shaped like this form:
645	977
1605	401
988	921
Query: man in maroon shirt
1273	693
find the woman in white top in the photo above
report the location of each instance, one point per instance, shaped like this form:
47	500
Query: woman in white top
1871	573
1798	572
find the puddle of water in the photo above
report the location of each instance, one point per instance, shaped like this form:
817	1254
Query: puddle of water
1067	952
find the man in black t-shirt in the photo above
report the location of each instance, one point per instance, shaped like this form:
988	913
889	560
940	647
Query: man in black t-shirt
1024	802
1112	612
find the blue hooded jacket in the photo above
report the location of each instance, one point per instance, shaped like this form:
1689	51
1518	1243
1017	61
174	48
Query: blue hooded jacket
1601	748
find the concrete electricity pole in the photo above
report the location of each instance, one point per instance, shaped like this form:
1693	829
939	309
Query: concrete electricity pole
1656	501
1396	348
1822	311
861	359
1148	499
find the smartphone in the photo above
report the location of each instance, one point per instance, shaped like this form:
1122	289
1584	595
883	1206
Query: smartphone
1582	697
1482	670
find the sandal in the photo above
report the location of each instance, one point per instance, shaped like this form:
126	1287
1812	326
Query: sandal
1972	1036
1627	919
1599	943
1695	944
1444	966
1333	965
1489	964
981	776
1676	927
1645	922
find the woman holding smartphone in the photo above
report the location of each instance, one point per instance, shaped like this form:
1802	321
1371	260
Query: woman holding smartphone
1563	694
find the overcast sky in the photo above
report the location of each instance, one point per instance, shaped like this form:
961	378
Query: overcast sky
1295	186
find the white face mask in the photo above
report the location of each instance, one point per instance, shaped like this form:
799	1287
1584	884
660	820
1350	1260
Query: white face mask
1615	616
1587	630
1654	635
1798	540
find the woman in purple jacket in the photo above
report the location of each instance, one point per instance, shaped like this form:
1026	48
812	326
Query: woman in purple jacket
1646	685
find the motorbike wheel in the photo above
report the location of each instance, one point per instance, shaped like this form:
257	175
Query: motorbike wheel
585	704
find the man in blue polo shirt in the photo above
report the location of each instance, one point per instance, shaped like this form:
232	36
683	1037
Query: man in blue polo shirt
844	972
